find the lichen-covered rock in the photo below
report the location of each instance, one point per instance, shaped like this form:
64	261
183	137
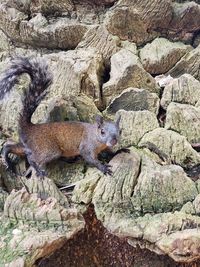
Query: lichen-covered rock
134	99
48	7
189	63
185	21
127	71
103	41
136	21
72	108
3	196
48	226
184	119
167	188
175	146
38	31
181	245
134	125
76	72
139	185
161	55
185	90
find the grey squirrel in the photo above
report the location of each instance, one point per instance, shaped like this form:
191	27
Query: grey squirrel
42	143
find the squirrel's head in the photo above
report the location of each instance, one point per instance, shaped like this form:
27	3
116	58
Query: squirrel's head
108	132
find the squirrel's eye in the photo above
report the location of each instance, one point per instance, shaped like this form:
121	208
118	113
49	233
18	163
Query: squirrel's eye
120	131
102	132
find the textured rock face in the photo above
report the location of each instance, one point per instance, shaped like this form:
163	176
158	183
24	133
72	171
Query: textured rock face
183	90
136	20
134	99
105	57
127	71
161	55
188	64
184	119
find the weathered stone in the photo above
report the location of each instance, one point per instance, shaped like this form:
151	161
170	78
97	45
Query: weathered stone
100	39
73	108
48	226
136	20
184	90
184	119
185	21
76	72
196	40
121	206
161	55
134	99
134	125
173	145
167	188
37	32
163	80
127	71
3	196
48	7
190	63
182	246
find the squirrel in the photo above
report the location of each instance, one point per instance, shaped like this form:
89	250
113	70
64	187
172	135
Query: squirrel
43	143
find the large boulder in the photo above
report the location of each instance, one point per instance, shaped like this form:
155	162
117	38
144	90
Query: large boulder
136	21
134	125
134	99
39	32
185	21
127	71
184	90
189	63
161	55
40	225
141	203
174	146
184	119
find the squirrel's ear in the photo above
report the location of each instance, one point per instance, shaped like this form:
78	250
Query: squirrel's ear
118	120
99	120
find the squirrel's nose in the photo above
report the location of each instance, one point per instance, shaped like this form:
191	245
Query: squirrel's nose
114	141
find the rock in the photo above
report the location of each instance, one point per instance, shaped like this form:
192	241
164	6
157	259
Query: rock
46	227
167	188
76	72
48	7
184	90
136	21
3	196
127	71
5	42
185	21
57	34
182	246
184	119
73	108
196	40
134	125
163	80
134	99
100	39
175	146
161	55
189	63
45	189
121	205
196	204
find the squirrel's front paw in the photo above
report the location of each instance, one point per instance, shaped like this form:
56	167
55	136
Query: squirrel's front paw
107	169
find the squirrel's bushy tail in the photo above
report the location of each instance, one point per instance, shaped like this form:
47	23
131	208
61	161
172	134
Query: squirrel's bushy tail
41	78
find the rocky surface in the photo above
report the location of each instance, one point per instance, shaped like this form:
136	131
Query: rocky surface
138	59
161	55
